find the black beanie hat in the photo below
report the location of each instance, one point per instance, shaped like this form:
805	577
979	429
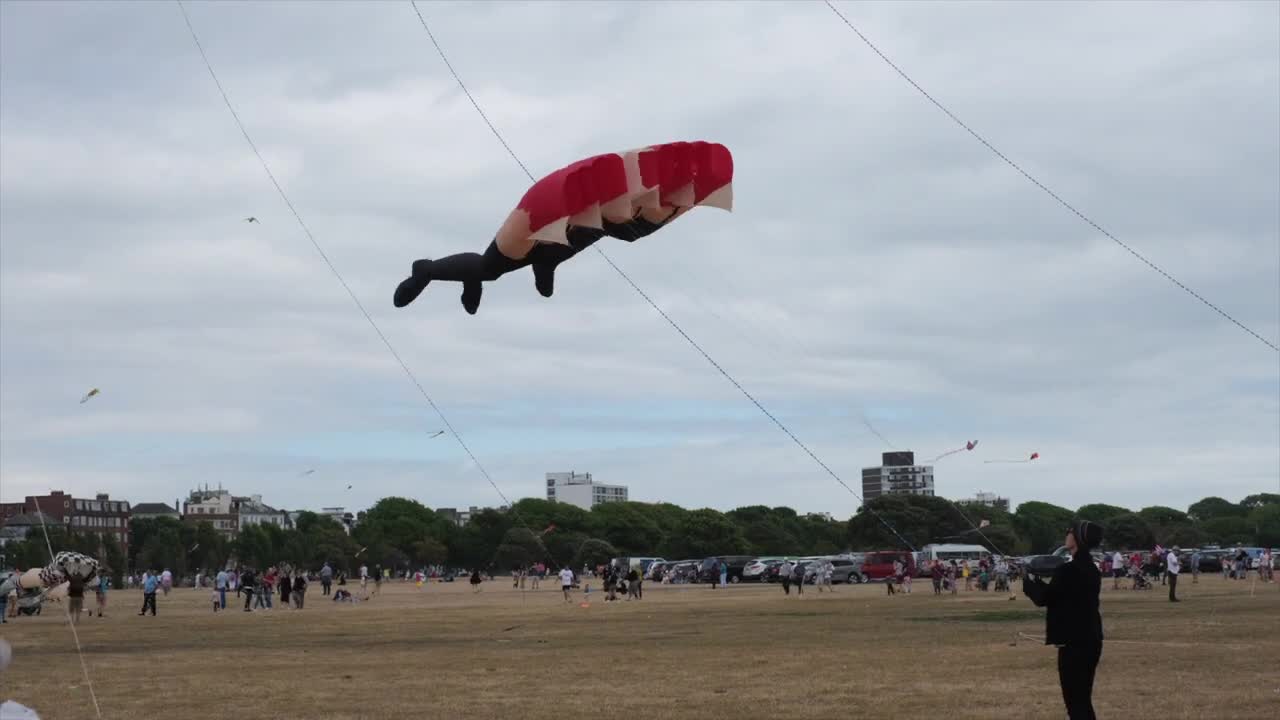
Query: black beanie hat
1088	534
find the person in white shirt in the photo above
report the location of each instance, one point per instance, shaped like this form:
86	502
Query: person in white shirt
364	576
566	582
1173	567
1117	569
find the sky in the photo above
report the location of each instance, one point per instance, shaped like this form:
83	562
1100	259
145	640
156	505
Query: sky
880	265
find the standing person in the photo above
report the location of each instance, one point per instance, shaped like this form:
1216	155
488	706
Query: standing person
247	584
724	573
149	584
286	587
269	585
377	579
936	573
75	597
1117	569
364	577
1073	622
326	579
784	574
893	579
797	577
1195	567
566	582
103	583
221	582
166	581
1172	567
475	580
299	592
633	584
537	575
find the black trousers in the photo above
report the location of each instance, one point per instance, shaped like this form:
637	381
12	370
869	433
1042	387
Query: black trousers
1077	665
1173	586
148	601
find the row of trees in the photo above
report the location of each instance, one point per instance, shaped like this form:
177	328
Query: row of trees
401	533
1039	527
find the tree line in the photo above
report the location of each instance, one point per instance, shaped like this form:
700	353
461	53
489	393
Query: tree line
401	533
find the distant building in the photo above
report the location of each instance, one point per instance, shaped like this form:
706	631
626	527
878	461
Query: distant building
20	527
898	474
154	510
987	499
344	518
579	489
252	511
100	516
215	507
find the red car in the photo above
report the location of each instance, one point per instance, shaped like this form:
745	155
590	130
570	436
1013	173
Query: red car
879	565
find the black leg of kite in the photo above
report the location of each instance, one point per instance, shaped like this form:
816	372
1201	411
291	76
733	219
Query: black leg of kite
470	269
548	258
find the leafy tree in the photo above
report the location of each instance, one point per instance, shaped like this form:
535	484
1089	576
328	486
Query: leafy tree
1266	523
1129	532
1043	525
594	552
703	533
563	545
627	526
520	547
1228	530
430	551
1165	522
1255	501
1215	507
114	559
873	526
1100	512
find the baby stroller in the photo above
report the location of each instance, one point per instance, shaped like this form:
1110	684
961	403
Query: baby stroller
1140	579
30	601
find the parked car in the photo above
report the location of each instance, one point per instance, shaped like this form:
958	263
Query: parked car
879	565
754	571
709	572
847	569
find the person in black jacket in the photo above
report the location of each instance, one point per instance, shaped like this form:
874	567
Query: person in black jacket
1073	622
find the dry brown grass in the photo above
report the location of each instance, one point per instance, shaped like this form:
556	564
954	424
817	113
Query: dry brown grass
682	652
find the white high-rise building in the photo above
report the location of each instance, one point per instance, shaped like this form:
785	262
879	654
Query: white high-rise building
898	475
579	489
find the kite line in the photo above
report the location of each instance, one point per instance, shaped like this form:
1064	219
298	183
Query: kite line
665	316
1042	186
84	667
385	341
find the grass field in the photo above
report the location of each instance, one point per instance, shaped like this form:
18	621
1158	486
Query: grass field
682	652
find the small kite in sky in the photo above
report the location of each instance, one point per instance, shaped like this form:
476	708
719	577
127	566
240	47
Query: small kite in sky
550	527
307	472
438	434
88	395
361	552
252	220
1034	456
967	446
194	547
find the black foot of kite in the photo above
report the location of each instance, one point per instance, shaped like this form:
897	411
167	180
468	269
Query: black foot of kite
471	291
544	279
412	287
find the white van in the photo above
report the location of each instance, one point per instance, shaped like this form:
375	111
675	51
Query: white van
946	552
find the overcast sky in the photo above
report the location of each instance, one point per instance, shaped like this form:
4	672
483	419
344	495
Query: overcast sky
879	263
